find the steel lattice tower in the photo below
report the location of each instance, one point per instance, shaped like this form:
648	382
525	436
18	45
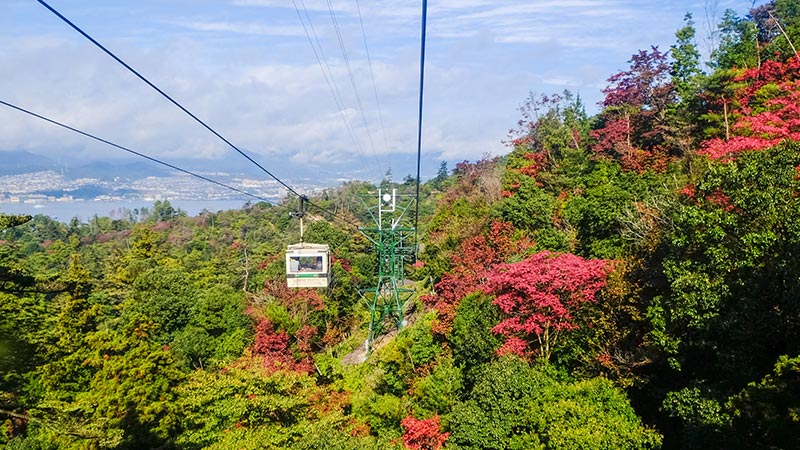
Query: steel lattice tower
393	239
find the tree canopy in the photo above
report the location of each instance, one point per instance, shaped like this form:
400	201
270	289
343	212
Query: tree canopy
626	279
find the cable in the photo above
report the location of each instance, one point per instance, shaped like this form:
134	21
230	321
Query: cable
372	75
334	215
419	122
174	102
329	79
171	166
38	116
333	87
352	80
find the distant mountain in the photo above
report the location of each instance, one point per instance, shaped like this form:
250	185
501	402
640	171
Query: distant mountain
330	174
108	171
20	161
282	166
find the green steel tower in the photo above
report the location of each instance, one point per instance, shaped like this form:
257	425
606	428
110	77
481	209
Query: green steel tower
393	239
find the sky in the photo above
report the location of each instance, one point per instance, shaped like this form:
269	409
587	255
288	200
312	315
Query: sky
249	69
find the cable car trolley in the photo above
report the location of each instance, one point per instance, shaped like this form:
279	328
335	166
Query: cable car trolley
307	265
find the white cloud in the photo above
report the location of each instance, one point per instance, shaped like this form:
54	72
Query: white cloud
246	68
241	28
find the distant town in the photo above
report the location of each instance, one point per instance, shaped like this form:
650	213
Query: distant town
43	188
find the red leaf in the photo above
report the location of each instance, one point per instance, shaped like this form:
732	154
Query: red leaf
423	434
539	294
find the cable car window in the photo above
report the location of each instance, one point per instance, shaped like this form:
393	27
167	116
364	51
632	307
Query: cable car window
305	263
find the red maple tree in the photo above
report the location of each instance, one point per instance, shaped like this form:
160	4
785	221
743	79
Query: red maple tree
634	120
539	295
475	256
423	434
272	346
767	110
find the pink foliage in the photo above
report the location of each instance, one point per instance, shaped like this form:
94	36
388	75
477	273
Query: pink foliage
538	295
688	191
423	434
449	292
304	336
296	301
762	123
633	122
721	149
343	262
614	137
537	163
769	72
161	226
514	346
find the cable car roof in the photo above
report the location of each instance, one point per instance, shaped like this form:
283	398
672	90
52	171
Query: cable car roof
308	246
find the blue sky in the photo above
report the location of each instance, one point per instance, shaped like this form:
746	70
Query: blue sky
247	68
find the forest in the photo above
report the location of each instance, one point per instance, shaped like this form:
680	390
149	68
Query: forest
623	280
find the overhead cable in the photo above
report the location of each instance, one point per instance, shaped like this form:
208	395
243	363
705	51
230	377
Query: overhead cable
350	74
419	121
333	87
372	75
181	107
158	161
165	95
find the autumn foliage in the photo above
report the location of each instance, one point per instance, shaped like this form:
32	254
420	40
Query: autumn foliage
273	347
634	123
601	285
539	296
471	262
423	434
765	110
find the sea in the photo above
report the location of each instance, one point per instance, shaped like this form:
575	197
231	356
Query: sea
115	209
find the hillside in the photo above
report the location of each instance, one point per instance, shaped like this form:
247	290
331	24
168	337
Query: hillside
622	280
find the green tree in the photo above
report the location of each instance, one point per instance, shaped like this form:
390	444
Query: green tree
516	406
163	211
472	340
686	61
729	267
129	401
438	392
217	330
725	309
738	47
242	405
596	215
767	413
9	221
162	295
441	176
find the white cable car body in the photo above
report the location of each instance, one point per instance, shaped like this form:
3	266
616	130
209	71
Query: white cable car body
308	266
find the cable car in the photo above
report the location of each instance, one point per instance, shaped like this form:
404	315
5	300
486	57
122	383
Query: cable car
308	265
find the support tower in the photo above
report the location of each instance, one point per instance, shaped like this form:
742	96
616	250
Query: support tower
393	239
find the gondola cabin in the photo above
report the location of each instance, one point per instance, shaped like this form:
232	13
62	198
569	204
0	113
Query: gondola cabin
308	266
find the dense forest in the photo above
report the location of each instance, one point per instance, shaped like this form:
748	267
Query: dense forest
622	280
